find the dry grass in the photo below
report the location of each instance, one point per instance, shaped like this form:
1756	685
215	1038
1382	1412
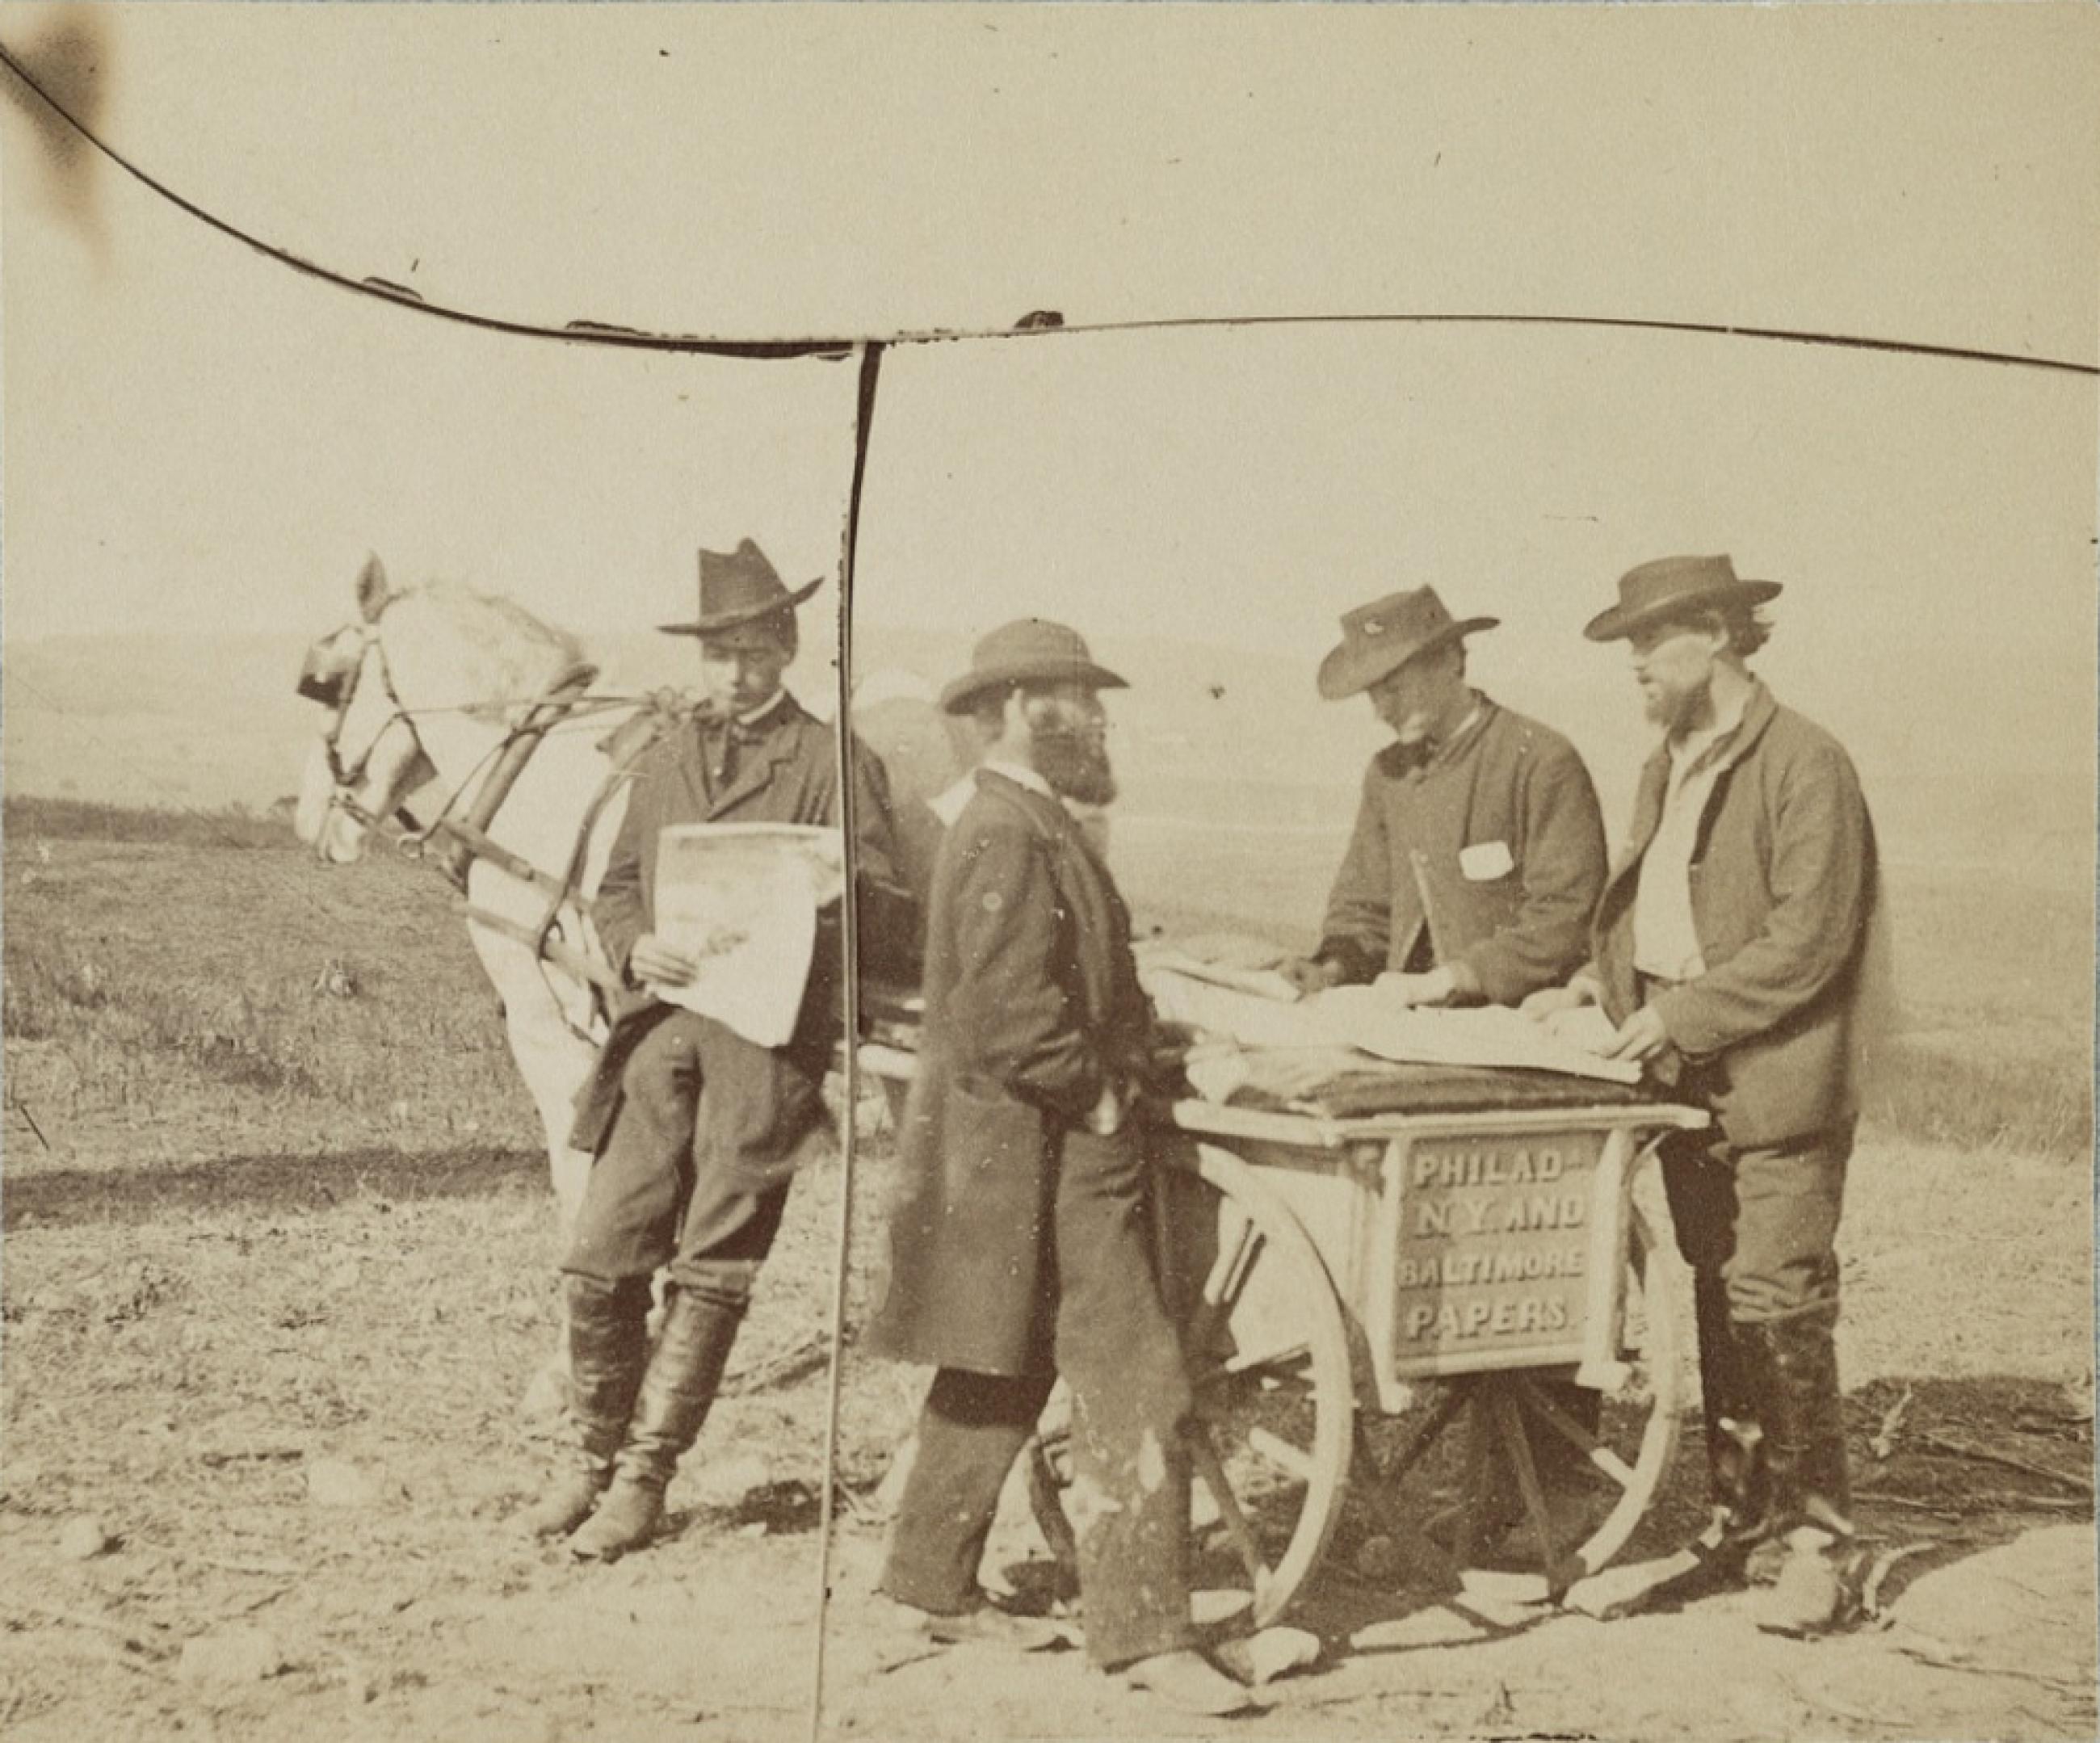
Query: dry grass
258	1224
171	972
29	820
270	1225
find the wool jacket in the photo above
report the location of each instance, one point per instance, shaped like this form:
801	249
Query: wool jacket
1785	891
1032	1007
786	772
1505	836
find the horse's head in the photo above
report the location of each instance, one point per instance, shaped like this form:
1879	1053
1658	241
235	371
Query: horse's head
368	759
417	686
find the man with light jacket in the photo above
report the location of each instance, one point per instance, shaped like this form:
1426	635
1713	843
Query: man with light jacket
1730	948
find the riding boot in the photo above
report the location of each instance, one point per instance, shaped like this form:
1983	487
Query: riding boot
679	1386
1737	1477
1805	1437
607	1346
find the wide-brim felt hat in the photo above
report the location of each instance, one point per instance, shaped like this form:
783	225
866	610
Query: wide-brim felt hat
1028	651
738	587
1379	638
1670	586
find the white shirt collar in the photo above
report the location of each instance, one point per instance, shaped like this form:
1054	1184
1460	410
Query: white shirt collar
948	804
1020	774
764	709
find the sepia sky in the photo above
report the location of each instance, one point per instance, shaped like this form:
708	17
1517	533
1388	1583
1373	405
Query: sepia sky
196	438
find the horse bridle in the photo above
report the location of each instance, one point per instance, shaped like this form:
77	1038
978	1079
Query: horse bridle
337	692
465	837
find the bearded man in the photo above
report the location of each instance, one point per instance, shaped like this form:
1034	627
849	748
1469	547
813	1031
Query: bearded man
1019	1246
1730	947
696	1130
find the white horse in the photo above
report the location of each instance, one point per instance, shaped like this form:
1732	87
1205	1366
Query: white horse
426	687
438	694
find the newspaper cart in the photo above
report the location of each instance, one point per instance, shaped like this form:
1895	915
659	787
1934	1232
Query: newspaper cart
1405	1259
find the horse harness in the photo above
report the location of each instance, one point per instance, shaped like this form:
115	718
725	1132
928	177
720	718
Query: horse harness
463	840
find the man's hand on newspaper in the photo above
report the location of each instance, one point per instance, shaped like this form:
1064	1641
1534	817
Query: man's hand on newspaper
1434	987
1549	1001
652	960
1310	973
1640	1037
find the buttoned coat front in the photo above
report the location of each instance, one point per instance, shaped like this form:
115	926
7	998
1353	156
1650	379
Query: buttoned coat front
1032	1008
1507	838
788	774
1785	895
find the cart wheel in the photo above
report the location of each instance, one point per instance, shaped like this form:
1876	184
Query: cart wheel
1485	1499
1270	1435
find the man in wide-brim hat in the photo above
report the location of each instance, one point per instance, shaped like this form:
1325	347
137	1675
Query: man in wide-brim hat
1478	850
1731	948
1017	1244
1476	857
696	1130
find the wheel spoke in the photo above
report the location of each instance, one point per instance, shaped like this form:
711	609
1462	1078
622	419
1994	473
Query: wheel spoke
1425	1437
1575	1434
1279	1451
1222	1287
1517	1444
1276	1355
1204	1455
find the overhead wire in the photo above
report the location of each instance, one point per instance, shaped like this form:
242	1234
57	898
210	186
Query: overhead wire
621	337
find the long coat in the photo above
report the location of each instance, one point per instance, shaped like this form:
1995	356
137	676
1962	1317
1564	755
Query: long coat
786	772
1032	1008
1785	889
1505	836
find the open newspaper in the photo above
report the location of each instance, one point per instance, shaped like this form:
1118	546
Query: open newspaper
742	898
1368	1020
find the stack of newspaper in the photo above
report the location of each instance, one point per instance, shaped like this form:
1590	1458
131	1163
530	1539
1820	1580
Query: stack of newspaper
1259	1008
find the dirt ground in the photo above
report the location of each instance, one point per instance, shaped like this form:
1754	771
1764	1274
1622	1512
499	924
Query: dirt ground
265	1340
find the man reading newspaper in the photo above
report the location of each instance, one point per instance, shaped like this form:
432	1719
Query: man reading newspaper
696	1127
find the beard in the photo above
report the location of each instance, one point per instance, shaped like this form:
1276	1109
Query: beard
1676	706
1074	764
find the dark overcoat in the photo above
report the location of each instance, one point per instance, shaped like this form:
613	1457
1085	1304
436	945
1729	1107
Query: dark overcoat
786	772
1784	893
1032	1008
1505	836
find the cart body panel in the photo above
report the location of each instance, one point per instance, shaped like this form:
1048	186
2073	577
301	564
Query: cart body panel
1459	1241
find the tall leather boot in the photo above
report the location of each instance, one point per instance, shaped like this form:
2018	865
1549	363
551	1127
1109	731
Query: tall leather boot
677	1389
608	1348
1738	1477
1803	1411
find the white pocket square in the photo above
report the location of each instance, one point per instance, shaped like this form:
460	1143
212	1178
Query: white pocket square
1486	859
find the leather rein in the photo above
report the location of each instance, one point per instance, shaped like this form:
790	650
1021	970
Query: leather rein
458	840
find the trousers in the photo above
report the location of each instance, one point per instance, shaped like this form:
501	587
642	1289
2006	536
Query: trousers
1760	1224
693	1175
1759	1227
1120	1357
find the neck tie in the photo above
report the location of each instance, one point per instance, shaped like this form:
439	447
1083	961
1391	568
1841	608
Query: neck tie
722	754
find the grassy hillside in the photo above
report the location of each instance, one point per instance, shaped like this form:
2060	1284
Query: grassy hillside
163	962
